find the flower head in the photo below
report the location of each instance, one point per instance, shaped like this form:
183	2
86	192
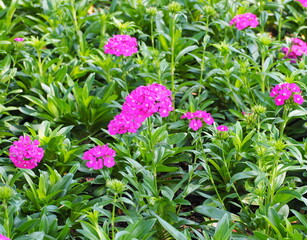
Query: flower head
174	7
298	48
303	2
286	92
100	156
6	193
222	128
121	45
4	237
198	118
116	186
25	153
244	20
298	99
18	39
140	104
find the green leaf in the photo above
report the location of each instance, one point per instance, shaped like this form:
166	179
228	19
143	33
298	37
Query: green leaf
211	212
168	227
300	217
223	231
176	138
185	51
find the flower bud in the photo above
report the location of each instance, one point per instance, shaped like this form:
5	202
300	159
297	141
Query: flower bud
209	11
174	7
261	150
265	39
152	11
6	193
258	109
116	186
279	145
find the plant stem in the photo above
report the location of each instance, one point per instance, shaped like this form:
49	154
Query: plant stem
151	33
113	216
284	123
280	22
209	171
172	27
6	219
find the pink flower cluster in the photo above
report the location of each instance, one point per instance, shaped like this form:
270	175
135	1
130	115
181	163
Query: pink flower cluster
197	118
4	237
140	104
18	39
286	91
121	45
303	2
297	49
25	153
100	156
245	20
222	128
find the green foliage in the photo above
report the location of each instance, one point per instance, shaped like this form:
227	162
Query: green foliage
169	181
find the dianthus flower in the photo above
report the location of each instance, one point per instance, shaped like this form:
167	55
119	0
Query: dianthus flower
4	237
123	123
18	39
99	156
303	2
140	104
25	153
297	49
144	101
197	118
222	128
245	20
285	92
121	45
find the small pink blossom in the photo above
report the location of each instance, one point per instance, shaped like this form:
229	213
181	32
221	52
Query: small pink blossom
195	124
244	20
286	92
279	100
99	156
198	118
222	128
140	104
303	2
4	237
298	99
121	45
297	49
18	39
25	153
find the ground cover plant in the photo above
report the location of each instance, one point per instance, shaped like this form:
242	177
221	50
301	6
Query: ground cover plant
153	120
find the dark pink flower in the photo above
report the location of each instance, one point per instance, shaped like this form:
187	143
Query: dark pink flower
198	118
140	104
298	99
25	153
18	39
121	45
222	128
99	156
4	237
244	20
279	100
297	49
195	124
303	2
286	92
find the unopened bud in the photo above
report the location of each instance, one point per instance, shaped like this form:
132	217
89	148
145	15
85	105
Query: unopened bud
116	186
